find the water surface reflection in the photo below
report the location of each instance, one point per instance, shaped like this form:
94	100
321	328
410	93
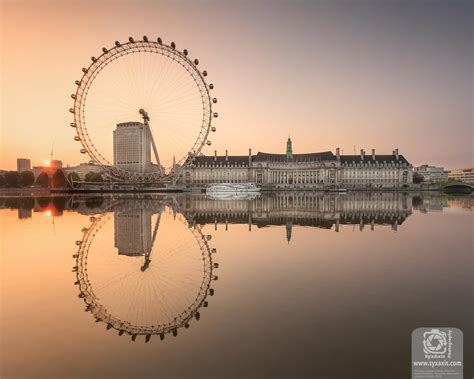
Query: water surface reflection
310	284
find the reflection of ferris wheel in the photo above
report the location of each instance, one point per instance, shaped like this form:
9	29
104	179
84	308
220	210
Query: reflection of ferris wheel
142	109
151	291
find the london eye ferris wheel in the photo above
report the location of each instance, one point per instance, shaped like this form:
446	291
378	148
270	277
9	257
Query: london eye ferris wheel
142	110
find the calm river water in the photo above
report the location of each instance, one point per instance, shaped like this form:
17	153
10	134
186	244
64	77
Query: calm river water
285	285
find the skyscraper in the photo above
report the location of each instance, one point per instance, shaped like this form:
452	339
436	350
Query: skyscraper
132	147
23	164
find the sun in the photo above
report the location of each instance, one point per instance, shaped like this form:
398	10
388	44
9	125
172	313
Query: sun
48	213
47	163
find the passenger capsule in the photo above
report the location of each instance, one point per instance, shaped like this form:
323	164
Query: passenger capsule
76	138
213	129
205	304
215	114
196	61
211	86
130	39
145	38
83	151
84	70
78	82
117	43
204	73
185	52
215	277
159	40
71	110
72	124
213	251
73	96
104	50
78	242
216	265
173	45
211	292
94	59
208	237
209	143
214	100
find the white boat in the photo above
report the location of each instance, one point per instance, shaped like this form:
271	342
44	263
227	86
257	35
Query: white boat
223	188
233	196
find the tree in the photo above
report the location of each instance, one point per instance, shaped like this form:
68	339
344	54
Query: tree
12	179
27	178
43	180
59	180
93	177
73	177
417	178
2	180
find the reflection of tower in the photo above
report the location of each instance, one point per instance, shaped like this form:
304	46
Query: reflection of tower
133	234
289	228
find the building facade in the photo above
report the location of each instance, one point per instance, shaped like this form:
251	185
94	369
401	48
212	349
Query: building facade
132	147
431	174
23	164
300	171
463	174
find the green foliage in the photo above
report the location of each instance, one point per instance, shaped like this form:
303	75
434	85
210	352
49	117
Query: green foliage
73	177
417	178
12	179
42	180
93	177
2	180
59	180
27	178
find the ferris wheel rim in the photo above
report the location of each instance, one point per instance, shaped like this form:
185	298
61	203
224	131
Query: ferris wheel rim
101	313
106	58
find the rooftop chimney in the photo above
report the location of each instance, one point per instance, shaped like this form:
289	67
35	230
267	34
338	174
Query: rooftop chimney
362	153
226	155
215	155
250	157
338	153
395	152
373	154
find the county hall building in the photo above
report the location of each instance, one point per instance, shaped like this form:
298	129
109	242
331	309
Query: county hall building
300	171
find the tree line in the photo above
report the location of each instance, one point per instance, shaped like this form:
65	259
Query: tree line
15	179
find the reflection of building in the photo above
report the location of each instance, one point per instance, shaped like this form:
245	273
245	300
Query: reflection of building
133	235
301	171
24	213
23	164
464	174
432	173
132	147
315	209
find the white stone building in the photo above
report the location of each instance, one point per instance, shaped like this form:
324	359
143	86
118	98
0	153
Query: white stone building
432	174
301	171
464	174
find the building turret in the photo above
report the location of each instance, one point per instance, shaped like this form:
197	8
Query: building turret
289	149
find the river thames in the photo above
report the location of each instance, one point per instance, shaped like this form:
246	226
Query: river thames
282	285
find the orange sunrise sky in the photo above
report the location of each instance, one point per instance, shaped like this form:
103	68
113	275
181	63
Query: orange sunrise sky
330	74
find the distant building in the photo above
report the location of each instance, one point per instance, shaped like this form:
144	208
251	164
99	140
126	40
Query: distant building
132	147
23	164
300	171
56	164
83	169
464	174
432	173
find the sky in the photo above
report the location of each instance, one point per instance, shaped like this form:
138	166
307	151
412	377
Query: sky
349	74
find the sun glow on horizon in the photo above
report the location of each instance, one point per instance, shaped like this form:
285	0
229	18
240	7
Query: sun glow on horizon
47	163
